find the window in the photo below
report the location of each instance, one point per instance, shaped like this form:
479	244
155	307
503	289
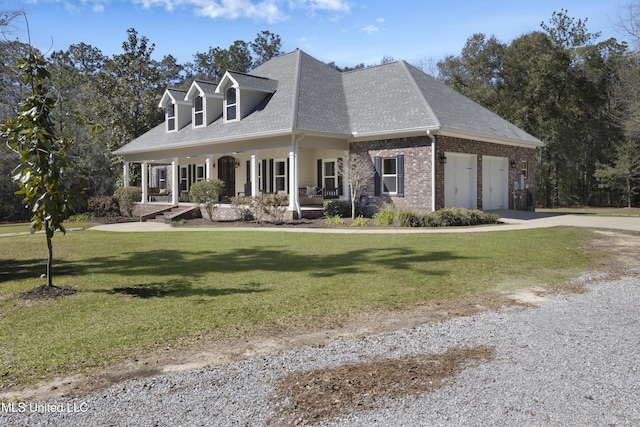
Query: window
184	178
389	176
280	175
198	111
523	168
162	178
329	175
171	117
199	172
231	104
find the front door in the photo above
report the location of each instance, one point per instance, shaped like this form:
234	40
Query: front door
227	173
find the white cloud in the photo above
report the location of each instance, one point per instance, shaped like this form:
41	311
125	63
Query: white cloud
267	10
380	20
98	8
370	29
330	5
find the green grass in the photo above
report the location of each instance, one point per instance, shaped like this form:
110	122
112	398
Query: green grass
592	211
23	227
140	291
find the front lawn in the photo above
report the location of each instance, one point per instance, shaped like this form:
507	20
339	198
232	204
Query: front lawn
140	291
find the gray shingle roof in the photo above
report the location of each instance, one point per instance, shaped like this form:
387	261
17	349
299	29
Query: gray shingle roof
310	96
254	82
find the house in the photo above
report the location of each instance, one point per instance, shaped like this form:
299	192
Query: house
288	125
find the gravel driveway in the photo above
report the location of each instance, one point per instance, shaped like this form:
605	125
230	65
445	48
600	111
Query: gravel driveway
571	360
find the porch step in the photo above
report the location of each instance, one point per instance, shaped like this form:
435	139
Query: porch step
176	213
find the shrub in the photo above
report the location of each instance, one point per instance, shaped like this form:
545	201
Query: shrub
80	217
409	219
338	207
360	221
103	206
127	198
244	208
384	217
206	193
334	220
275	206
449	217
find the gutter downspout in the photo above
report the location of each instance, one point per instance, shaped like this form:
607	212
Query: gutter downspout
433	170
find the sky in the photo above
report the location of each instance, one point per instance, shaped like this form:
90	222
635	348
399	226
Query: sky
347	32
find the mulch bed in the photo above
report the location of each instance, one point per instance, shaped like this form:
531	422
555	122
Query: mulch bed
45	292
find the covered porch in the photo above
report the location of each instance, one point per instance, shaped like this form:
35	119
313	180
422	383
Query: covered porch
308	170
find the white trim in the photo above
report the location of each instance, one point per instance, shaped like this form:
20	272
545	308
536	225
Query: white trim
175	189
145	180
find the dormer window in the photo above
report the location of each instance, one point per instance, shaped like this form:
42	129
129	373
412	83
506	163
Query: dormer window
198	111
171	117
231	104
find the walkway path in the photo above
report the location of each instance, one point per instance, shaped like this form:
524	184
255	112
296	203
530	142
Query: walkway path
512	220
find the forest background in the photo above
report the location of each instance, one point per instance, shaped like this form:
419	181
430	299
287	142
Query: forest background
577	93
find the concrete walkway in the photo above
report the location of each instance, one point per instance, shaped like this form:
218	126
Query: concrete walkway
512	220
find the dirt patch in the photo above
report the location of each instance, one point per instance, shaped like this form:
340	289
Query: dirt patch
45	292
309	397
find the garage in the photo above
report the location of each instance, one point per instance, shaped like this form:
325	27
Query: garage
495	183
460	180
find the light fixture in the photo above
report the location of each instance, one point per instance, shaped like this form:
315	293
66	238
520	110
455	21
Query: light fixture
513	163
237	163
443	158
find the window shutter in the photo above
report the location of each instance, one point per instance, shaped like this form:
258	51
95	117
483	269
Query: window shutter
288	176
264	175
319	174
270	175
339	172
400	172
377	176
249	171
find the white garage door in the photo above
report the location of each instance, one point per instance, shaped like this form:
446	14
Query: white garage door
495	183
460	181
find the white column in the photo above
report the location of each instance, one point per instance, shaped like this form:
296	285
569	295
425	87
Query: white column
125	174
254	173
145	180
293	177
208	169
175	187
346	189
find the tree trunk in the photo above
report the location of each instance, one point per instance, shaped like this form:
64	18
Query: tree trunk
49	234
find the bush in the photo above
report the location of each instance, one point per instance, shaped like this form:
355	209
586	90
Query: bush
448	217
206	193
384	217
103	206
127	198
334	220
451	217
360	221
275	206
245	208
248	208
338	207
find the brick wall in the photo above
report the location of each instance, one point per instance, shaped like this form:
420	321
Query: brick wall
417	171
515	155
417	153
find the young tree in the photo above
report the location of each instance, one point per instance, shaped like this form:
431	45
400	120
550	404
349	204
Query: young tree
360	170
43	156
